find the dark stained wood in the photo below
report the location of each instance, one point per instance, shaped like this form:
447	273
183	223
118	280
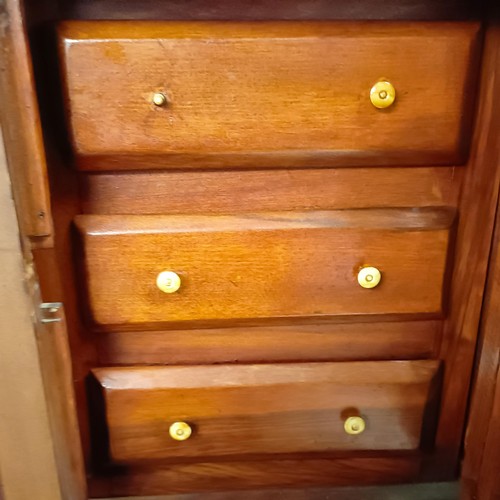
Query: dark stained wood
57	278
233	474
489	481
296	95
264	409
24	422
57	376
28	165
480	477
54	265
332	342
474	235
251	191
282	264
480	480
269	9
242	190
21	125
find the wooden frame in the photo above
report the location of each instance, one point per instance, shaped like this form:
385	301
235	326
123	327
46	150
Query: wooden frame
42	420
480	477
24	422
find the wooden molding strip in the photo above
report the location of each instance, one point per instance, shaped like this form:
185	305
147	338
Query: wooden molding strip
21	124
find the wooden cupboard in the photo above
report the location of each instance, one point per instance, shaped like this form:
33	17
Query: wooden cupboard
264	231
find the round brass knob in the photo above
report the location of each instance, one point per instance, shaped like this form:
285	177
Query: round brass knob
369	277
180	431
168	281
159	99
382	94
354	426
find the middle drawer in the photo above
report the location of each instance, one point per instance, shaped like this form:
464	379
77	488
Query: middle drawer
272	265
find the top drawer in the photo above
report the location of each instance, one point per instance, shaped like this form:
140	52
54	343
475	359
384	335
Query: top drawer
267	94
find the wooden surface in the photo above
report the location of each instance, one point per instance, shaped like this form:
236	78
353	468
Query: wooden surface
328	342
268	9
57	377
297	94
489	481
21	124
480	478
258	190
28	468
39	447
474	237
202	477
264	409
266	265
224	192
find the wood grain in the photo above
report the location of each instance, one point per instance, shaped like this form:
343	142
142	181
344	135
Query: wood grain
24	420
474	238
480	478
489	482
331	342
61	405
282	264
61	474
21	126
259	190
296	94
237	474
264	409
485	480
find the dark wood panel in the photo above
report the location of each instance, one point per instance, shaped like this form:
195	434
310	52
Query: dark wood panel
264	409
296	95
270	9
484	482
58	377
480	478
283	264
333	342
223	476
474	237
247	191
28	163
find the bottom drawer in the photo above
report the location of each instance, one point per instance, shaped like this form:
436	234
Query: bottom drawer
212	411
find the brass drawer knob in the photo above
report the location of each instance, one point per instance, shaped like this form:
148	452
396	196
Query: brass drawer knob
354	426
382	94
168	281
369	277
180	431
159	99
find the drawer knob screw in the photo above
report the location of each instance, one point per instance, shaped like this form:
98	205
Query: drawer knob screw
180	431
168	282
354	426
159	99
369	277
382	94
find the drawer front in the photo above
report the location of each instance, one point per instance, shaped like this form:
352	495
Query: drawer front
273	265
210	411
267	94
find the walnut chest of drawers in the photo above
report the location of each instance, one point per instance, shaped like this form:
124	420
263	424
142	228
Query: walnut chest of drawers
269	226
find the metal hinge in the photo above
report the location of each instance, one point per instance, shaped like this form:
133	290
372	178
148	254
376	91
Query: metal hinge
50	312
